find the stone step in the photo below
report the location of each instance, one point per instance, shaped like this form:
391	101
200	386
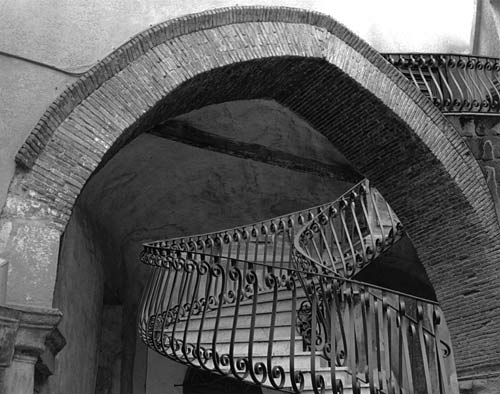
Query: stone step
244	319
242	333
260	347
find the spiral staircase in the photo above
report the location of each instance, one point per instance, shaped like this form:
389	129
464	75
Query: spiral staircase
276	304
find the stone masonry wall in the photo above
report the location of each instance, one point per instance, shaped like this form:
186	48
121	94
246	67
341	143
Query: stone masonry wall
482	135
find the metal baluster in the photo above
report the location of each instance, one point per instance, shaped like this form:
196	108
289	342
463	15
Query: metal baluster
273	228
185	278
405	348
323	219
284	241
296	377
246	237
393	222
367	317
264	231
444	78
291	237
358	229
377	315
488	100
187	347
495	105
343	206
275	372
259	367
377	214
452	70
337	386
317	381
239	367
363	194
461	72
200	351
437	85
351	344
255	234
386	335
412	76
218	271
423	350
443	377
470	66
336	238
434	99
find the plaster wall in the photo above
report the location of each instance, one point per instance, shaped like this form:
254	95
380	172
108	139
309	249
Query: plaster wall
158	381
485	39
78	294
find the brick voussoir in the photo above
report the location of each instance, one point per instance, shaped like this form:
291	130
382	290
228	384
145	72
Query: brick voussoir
144	41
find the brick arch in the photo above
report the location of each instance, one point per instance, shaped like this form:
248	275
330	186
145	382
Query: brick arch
317	68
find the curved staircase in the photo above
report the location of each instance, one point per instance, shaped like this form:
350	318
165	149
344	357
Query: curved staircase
276	304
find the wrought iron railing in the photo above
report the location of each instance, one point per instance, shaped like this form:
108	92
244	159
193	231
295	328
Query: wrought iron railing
271	304
348	233
454	83
360	225
301	332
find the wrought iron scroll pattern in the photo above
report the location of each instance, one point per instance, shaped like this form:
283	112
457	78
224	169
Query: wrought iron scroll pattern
274	304
454	83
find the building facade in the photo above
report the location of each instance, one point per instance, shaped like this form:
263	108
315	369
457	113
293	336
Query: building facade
226	117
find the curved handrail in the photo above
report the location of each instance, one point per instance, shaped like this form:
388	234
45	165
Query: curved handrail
327	242
455	83
272	241
268	241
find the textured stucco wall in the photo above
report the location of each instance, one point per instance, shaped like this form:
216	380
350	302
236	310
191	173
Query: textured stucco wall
485	39
25	93
78	294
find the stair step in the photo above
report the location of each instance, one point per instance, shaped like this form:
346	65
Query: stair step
280	347
262	319
224	335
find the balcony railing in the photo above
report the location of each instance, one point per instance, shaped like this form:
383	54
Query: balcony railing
272	304
454	83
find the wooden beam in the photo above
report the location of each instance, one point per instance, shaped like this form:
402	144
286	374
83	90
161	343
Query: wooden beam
183	132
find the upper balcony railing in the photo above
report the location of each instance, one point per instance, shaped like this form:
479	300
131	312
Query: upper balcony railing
456	84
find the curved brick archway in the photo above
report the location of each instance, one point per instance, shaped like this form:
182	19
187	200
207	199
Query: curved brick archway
342	87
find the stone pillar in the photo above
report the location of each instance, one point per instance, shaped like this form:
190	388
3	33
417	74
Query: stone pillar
19	377
28	336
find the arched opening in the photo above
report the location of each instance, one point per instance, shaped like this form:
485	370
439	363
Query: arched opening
257	159
157	186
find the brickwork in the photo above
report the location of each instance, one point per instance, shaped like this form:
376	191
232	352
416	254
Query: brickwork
311	64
